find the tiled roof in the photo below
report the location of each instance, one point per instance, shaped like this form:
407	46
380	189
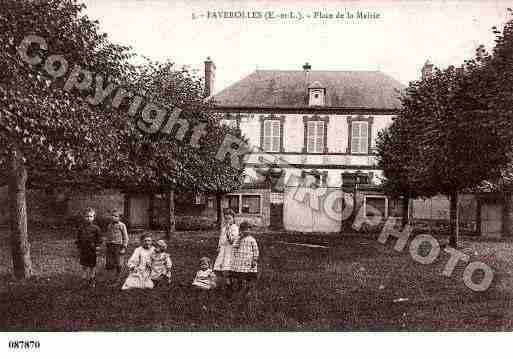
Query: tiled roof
289	89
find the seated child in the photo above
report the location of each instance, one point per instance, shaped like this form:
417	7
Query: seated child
160	263
139	265
205	277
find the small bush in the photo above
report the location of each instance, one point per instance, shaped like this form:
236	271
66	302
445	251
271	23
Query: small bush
190	223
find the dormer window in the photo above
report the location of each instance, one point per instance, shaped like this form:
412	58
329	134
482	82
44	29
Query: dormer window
316	94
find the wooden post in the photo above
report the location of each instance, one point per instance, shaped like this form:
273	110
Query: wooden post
126	210
453	219
342	207
506	231
405	203
151	211
431	216
458	220
20	246
478	216
411	214
219	210
355	191
171	223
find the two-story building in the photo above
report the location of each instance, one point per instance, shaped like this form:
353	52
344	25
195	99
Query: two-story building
307	122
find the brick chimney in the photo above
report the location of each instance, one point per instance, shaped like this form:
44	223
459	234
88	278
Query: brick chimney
427	69
210	76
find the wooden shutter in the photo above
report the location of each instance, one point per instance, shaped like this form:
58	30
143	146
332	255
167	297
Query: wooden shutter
267	136
319	137
275	136
355	137
364	137
311	136
359	137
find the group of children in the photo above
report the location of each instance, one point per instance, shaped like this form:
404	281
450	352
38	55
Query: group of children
237	256
150	265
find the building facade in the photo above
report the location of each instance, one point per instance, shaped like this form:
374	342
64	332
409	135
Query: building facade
319	124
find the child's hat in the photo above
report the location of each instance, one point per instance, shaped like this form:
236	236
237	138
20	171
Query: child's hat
162	244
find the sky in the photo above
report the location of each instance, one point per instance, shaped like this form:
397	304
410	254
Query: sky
397	42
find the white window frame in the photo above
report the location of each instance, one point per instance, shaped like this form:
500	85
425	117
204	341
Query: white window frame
240	195
274	139
374	196
199	199
360	137
316	97
315	137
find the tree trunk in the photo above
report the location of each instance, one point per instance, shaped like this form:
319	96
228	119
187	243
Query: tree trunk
405	201
20	246
219	210
126	210
151	211
506	232
171	223
342	206
453	238
478	216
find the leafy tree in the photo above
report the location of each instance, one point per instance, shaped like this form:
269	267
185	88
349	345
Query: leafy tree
396	157
452	146
50	136
174	158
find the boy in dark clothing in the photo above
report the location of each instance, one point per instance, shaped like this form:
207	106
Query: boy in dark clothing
88	243
116	244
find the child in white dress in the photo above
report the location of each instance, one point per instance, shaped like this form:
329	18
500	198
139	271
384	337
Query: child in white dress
139	265
228	236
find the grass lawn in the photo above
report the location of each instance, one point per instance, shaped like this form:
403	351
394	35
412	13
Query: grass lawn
341	283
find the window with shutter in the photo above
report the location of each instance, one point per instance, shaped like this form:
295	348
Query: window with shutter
275	136
311	136
271	136
359	137
315	133
267	136
320	137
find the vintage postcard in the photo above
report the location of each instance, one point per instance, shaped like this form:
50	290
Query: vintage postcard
175	170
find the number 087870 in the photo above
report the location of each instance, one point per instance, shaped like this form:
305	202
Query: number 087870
24	344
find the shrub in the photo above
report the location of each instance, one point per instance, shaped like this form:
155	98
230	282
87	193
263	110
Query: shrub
190	223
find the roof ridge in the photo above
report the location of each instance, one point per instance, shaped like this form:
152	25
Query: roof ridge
272	70
345	88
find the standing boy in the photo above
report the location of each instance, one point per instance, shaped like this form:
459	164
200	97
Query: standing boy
88	243
117	242
245	258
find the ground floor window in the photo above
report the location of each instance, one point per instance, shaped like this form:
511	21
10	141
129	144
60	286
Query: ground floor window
375	202
245	203
233	202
